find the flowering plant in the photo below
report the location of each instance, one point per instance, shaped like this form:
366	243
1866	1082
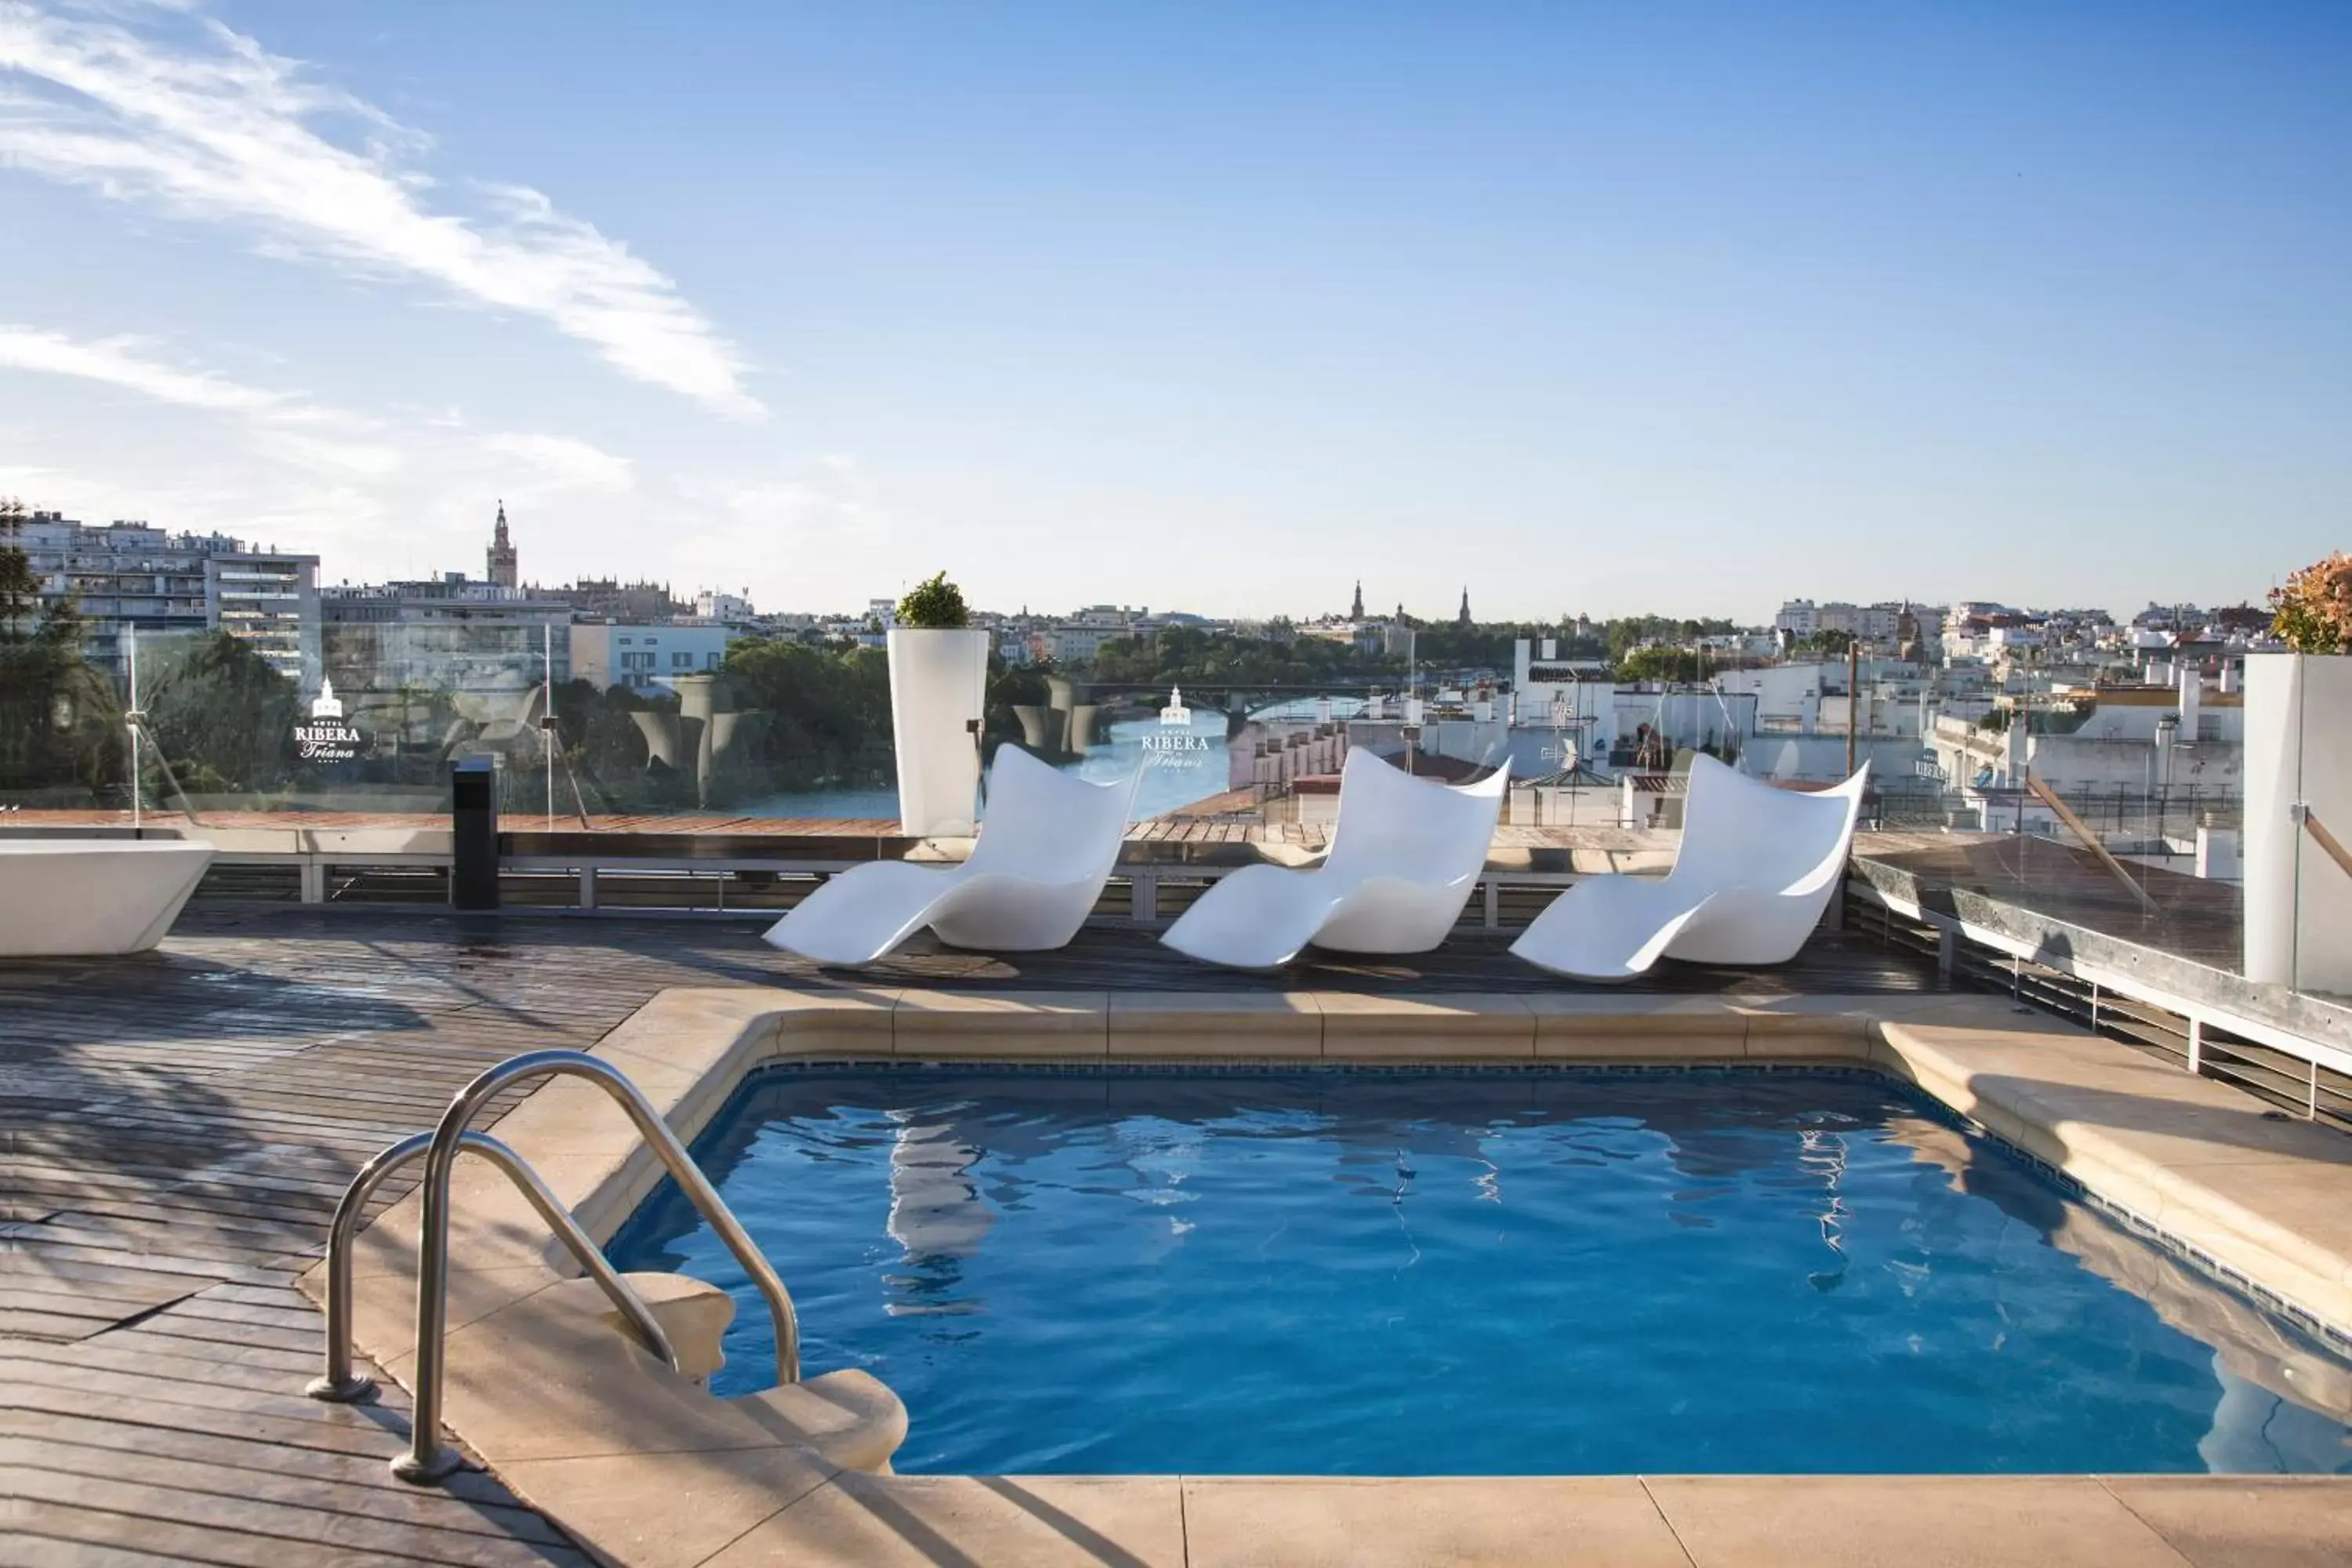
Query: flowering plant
2312	613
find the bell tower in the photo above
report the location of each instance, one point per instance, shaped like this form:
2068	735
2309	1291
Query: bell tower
502	554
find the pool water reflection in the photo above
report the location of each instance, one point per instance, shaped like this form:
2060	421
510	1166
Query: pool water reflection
1390	1273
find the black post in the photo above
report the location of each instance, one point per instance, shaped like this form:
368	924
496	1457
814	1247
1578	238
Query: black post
474	832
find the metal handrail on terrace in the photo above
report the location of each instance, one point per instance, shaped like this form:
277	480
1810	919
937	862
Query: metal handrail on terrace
429	1460
338	1383
2328	841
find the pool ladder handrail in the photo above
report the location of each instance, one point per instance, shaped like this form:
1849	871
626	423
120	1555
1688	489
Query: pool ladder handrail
428	1460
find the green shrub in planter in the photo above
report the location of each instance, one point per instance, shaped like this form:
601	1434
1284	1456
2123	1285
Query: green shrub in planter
934	605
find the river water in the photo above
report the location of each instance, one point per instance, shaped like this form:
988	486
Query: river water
1180	767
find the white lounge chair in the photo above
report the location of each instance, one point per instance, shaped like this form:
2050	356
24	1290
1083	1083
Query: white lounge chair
63	898
1403	858
1757	867
1045	847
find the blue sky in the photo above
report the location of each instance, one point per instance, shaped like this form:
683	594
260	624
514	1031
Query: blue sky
1590	308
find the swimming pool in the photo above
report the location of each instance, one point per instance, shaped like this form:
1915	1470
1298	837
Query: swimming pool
1358	1272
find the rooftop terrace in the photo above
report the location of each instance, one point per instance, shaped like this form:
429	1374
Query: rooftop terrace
179	1126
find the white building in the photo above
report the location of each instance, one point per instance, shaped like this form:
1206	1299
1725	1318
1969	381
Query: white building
2130	738
270	601
1803	618
646	657
731	609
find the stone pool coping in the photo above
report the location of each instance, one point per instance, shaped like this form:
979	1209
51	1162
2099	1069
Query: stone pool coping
644	1467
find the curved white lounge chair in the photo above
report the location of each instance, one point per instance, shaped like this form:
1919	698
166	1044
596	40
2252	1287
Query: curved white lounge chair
1044	850
1757	867
1403	859
63	898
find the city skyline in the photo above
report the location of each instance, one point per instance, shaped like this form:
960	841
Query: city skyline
503	569
1600	314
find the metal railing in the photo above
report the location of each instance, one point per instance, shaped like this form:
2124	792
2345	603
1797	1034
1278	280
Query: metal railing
2328	841
429	1460
338	1383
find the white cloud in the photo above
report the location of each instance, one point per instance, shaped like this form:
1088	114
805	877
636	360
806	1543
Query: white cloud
205	124
302	445
335	456
565	462
123	361
831	499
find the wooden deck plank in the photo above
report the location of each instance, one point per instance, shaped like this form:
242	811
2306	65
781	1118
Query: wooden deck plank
200	1421
212	1473
175	1513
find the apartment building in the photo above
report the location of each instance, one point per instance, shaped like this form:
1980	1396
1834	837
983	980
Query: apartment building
131	579
644	658
271	601
1882	621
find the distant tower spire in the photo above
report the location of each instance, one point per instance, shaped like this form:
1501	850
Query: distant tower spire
1355	610
1462	617
502	553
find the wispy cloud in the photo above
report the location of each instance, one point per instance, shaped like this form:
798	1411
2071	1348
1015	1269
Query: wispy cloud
566	462
130	364
831	498
199	121
294	431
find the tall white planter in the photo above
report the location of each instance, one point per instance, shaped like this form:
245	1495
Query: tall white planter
938	681
2298	718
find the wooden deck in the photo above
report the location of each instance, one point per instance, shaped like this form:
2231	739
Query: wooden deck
176	1129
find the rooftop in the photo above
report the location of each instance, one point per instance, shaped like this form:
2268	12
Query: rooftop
180	1132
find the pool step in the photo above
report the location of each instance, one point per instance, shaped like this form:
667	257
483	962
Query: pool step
693	1312
849	1417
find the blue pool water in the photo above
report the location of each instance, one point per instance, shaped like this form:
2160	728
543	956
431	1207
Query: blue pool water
1363	1273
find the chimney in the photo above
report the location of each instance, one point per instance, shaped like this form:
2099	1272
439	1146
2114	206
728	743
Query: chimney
2193	692
1551	647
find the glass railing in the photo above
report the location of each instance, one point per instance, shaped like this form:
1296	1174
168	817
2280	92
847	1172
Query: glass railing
2153	868
361	727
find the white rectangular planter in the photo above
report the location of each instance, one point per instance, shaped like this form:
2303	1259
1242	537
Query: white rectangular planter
79	898
2298	719
938	681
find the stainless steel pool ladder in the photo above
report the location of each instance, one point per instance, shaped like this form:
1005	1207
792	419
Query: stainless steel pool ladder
428	1460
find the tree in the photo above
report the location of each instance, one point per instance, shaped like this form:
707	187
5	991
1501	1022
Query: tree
601	743
20	595
1829	640
828	710
220	714
1662	664
59	724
